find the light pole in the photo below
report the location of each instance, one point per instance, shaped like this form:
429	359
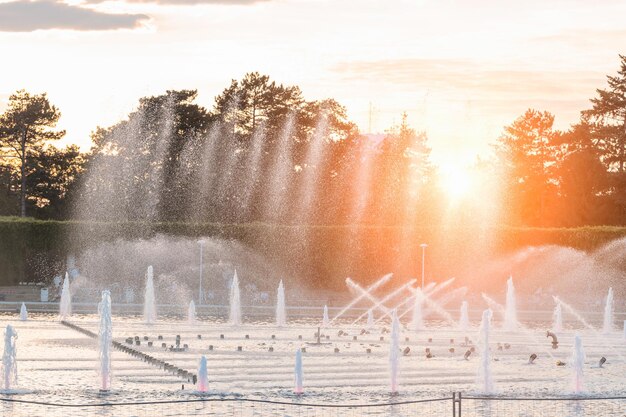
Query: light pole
200	295
423	246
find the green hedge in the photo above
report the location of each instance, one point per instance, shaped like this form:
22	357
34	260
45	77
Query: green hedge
322	255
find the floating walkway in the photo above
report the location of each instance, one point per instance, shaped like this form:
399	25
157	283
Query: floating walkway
168	367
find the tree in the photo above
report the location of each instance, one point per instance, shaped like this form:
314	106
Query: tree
608	119
53	172
256	101
581	176
25	128
528	152
139	168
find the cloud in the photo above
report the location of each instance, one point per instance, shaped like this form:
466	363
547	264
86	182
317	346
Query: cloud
192	2
29	16
482	81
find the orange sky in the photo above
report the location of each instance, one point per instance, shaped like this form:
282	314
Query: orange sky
461	69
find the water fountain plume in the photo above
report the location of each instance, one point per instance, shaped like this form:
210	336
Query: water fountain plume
370	319
464	323
485	378
427	290
557	318
510	312
281	315
235	302
9	360
283	171
607	325
23	312
191	313
584	322
379	304
65	306
417	321
325	320
149	302
105	338
447	298
203	375
436	307
394	352
578	363
381	281
298	374
529	333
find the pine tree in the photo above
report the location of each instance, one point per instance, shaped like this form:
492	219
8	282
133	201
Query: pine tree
608	119
25	129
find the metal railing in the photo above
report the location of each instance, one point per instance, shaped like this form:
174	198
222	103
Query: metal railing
456	406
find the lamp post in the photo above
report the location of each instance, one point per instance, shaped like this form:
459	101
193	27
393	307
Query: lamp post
200	295
423	246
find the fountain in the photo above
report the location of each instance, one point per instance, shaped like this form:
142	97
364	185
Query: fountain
281	319
557	323
299	389
394	349
9	361
485	379
417	321
325	320
65	306
578	363
380	303
23	313
149	303
203	375
607	326
464	319
235	302
381	281
104	340
191	313
510	312
370	319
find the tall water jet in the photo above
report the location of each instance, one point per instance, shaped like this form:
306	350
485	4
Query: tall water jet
191	313
325	319
485	378
65	306
281	316
298	373
607	326
464	319
149	303
23	313
370	319
417	321
235	302
557	318
203	375
510	312
9	361
105	336
394	350
578	363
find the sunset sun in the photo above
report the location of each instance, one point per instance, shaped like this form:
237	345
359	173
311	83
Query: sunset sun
456	182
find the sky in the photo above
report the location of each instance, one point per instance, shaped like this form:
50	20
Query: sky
462	70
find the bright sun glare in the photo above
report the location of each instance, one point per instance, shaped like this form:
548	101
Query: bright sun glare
456	182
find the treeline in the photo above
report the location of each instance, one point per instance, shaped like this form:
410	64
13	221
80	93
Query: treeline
264	153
